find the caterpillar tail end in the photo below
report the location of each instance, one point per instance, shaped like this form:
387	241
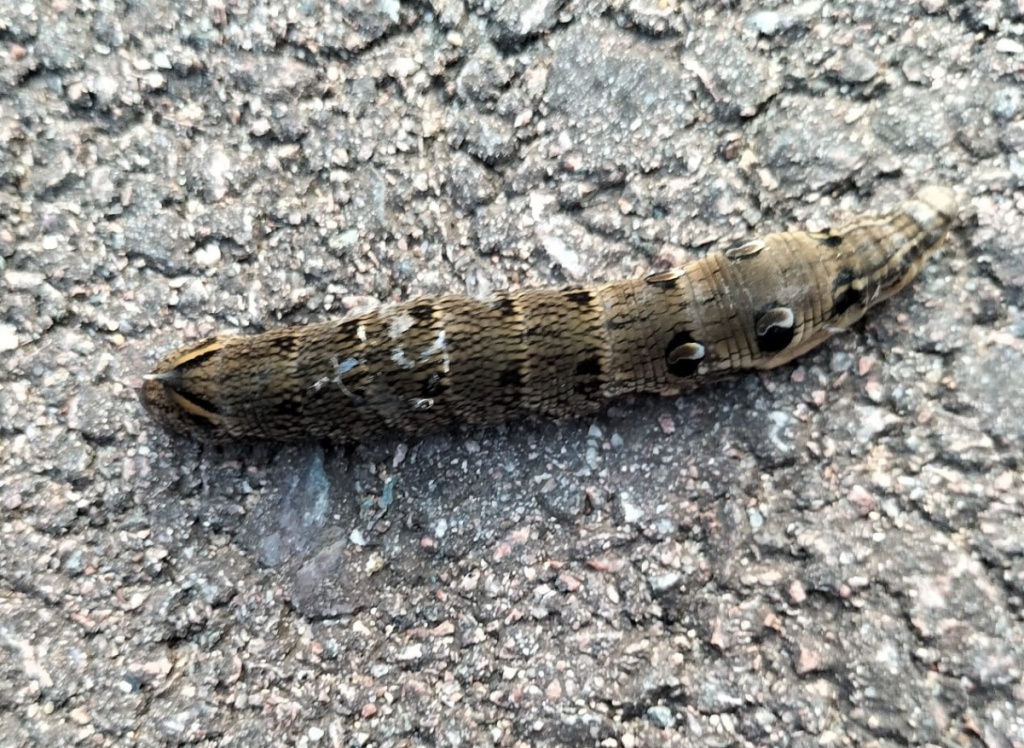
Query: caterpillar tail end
940	199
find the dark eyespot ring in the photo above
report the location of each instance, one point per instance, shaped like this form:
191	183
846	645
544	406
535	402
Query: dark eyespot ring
774	329
683	355
828	239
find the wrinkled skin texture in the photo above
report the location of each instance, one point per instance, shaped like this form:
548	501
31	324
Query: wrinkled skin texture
421	365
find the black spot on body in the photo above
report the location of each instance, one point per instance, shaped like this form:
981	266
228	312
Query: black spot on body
579	296
844	296
774	340
588	377
844	277
847	299
772	335
590	367
434	386
830	240
504	306
422	312
677	365
511	378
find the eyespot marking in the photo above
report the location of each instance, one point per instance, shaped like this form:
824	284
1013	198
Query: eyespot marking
828	239
774	329
511	378
590	367
747	249
666	279
683	355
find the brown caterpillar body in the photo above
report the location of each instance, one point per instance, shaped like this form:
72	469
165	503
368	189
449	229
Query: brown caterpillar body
423	364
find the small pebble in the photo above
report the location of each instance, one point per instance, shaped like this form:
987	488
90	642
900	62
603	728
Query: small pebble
8	338
208	255
668	426
1010	47
661	716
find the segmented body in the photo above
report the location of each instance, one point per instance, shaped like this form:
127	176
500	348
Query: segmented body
424	364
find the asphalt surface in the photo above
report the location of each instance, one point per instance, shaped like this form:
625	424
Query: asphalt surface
831	553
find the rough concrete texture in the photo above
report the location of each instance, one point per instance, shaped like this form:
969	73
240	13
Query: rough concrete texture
831	553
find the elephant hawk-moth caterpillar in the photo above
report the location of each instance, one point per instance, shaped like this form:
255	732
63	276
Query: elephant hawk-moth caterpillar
420	365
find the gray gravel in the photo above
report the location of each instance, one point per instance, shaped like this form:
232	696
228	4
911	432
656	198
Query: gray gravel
828	554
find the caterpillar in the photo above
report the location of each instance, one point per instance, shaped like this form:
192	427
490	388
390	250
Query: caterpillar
421	365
